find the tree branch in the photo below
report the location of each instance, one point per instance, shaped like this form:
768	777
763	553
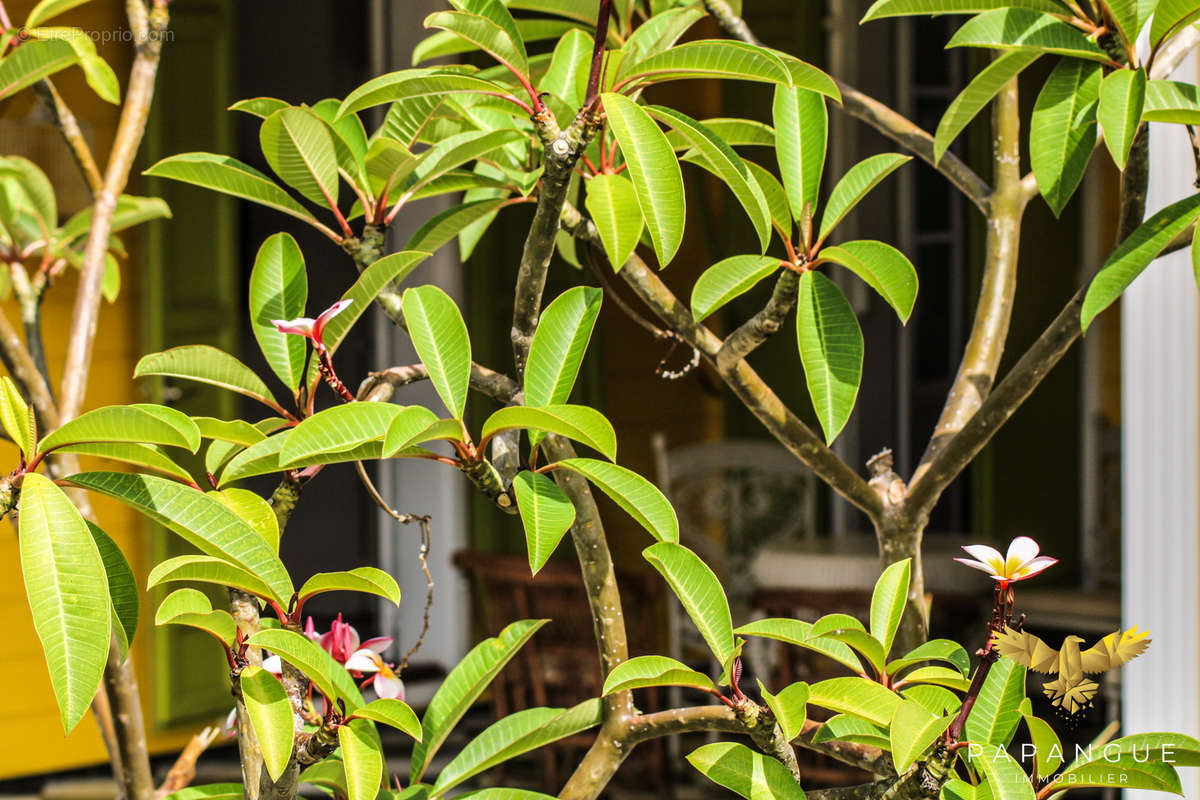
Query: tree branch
985	346
68	126
147	27
883	119
749	387
763	325
1037	361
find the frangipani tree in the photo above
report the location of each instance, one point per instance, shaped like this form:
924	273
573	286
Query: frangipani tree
561	123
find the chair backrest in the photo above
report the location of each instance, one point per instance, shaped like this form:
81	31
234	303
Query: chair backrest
561	666
747	493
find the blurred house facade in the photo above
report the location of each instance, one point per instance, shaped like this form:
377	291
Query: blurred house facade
1054	473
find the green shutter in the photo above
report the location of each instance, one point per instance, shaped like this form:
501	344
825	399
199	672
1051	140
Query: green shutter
190	294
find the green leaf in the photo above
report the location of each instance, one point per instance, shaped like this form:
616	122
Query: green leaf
612	203
136	423
1170	17
700	592
195	568
654	170
279	290
1130	16
884	268
122	587
859	696
229	176
256	511
790	707
854	186
338	428
99	75
1047	749
745	772
1171	101
46	9
443	227
368	580
529	30
1023	29
503	45
32	61
934	650
887	602
202	520
848	728
130	211
914	728
513	735
996	712
938	676
14	415
546	512
644	671
582	424
234	430
299	147
362	758
270	714
439	336
734	131
777	201
1064	129
571	59
28	178
1135	254
131	453
977	94
327	675
728	279
861	642
261	107
1005	778
559	344
801	132
199	362
798	633
901	8
721	58
393	713
831	349
637	496
660	32
408	428
463	686
1122	95
937	699
1126	772
349	142
193	609
725	164
410	84
67	587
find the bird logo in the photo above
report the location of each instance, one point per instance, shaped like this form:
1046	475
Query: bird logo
1071	692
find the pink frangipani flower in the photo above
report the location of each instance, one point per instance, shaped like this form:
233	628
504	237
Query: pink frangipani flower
1022	560
311	328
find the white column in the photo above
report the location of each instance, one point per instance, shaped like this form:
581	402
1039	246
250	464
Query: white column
1161	563
420	487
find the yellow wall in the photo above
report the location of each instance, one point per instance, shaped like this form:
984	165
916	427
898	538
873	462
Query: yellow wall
29	707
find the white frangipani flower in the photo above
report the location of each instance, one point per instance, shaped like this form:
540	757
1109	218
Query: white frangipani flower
1022	560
